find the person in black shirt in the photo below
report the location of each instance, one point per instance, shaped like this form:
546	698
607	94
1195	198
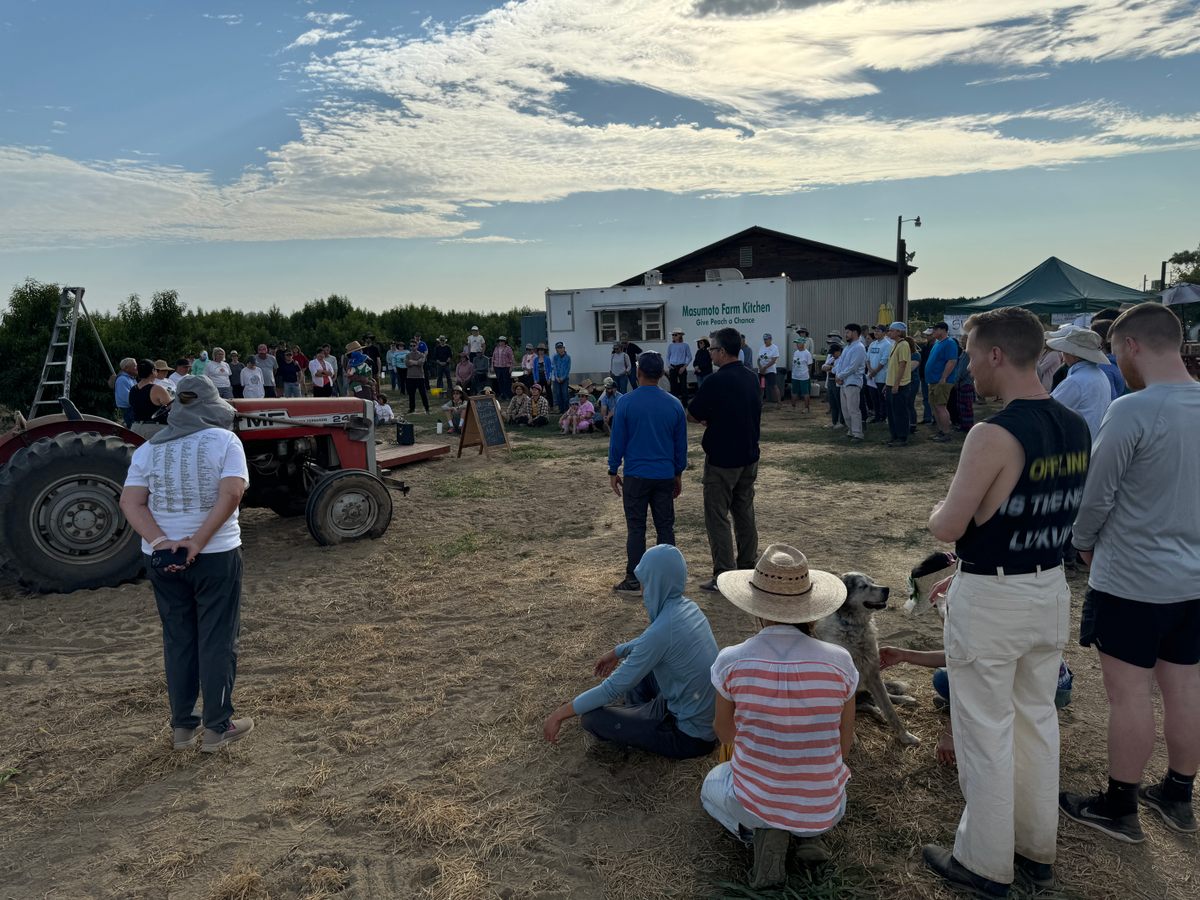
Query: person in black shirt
442	355
729	405
702	363
290	376
1009	509
633	351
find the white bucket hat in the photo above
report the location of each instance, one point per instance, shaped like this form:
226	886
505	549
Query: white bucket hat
1081	342
782	588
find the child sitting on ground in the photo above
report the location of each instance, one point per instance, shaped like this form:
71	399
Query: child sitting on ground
587	412
383	411
455	408
569	421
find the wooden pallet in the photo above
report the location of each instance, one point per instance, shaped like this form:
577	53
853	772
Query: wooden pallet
393	457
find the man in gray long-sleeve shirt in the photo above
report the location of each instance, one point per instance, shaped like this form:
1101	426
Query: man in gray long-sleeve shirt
1139	530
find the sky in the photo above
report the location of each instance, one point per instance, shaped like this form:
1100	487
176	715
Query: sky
472	154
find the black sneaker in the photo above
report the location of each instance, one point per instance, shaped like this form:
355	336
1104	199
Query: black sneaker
1039	876
1088	809
710	585
629	586
942	861
1176	814
770	857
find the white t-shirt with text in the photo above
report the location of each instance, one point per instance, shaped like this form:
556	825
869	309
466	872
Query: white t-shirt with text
184	477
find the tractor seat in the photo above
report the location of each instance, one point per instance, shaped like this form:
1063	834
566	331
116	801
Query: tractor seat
70	410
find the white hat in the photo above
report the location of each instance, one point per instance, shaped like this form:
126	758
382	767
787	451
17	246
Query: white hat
782	588
1081	342
502	338
474	327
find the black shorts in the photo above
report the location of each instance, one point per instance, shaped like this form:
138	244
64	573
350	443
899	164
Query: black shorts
1141	633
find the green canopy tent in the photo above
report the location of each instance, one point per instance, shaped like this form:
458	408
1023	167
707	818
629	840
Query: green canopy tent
1054	287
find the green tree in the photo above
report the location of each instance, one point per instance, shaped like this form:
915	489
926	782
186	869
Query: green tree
1185	266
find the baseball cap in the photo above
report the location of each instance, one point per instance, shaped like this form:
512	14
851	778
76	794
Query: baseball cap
608	382
898	326
650	363
474	327
558	344
798	340
502	338
927	331
767	337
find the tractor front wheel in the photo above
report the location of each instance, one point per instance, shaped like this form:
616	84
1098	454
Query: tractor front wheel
346	506
62	527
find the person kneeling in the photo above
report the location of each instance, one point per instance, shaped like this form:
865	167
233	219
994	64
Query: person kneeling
663	673
778	686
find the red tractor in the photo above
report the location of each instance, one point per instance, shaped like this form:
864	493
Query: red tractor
61	475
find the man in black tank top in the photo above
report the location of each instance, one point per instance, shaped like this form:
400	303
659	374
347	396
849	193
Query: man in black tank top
1009	511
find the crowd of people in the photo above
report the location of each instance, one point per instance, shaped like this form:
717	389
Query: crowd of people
1063	464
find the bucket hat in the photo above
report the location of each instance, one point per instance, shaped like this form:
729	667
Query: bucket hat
1081	342
782	588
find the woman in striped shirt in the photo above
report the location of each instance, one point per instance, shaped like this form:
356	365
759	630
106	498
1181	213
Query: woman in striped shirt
785	701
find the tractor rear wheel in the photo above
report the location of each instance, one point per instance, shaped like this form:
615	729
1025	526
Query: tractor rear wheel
347	506
60	516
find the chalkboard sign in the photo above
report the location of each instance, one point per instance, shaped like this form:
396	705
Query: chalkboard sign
482	425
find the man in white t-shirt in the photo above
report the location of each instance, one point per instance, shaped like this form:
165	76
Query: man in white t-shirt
181	495
476	344
802	360
252	380
182	367
267	364
768	362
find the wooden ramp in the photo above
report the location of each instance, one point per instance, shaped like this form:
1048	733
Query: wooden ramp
394	457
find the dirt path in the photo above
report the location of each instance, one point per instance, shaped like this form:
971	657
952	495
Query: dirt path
399	689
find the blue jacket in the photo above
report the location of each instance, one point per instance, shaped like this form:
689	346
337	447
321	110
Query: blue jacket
560	366
542	368
678	647
649	431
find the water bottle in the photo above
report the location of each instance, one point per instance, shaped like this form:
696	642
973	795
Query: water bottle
439	427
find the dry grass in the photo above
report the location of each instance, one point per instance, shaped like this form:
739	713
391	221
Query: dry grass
399	689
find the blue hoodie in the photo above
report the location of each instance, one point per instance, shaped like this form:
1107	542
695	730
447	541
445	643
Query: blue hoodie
678	647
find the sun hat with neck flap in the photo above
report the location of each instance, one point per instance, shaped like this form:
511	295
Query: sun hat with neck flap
782	588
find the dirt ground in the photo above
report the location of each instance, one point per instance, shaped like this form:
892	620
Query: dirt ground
399	689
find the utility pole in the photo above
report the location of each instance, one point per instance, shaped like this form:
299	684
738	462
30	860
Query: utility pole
902	267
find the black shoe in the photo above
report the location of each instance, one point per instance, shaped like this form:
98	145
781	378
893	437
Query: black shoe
1038	875
942	861
629	586
1088	809
770	857
710	585
1176	814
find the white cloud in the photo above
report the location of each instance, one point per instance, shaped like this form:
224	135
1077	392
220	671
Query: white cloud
327	18
478	116
489	239
226	18
315	36
1005	79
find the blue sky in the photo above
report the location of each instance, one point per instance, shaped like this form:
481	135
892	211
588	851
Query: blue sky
473	154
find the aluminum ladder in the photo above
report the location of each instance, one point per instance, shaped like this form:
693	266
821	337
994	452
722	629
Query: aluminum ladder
55	383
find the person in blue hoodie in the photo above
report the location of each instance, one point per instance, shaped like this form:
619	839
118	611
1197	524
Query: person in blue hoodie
663	674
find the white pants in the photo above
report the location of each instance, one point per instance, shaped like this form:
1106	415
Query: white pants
719	801
1004	636
851	410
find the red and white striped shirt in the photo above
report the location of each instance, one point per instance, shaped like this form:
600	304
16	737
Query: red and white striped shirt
788	690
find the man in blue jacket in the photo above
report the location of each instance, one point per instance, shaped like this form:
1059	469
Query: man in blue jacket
663	674
560	377
649	432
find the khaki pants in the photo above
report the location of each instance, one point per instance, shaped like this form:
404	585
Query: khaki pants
729	493
1004	637
852	409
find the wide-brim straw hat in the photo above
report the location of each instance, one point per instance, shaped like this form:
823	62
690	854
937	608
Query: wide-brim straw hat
782	588
1081	342
352	346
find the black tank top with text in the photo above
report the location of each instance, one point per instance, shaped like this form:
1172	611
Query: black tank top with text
1033	525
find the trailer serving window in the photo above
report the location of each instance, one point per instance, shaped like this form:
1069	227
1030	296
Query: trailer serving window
640	323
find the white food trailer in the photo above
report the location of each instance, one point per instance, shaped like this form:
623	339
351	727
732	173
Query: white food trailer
590	320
